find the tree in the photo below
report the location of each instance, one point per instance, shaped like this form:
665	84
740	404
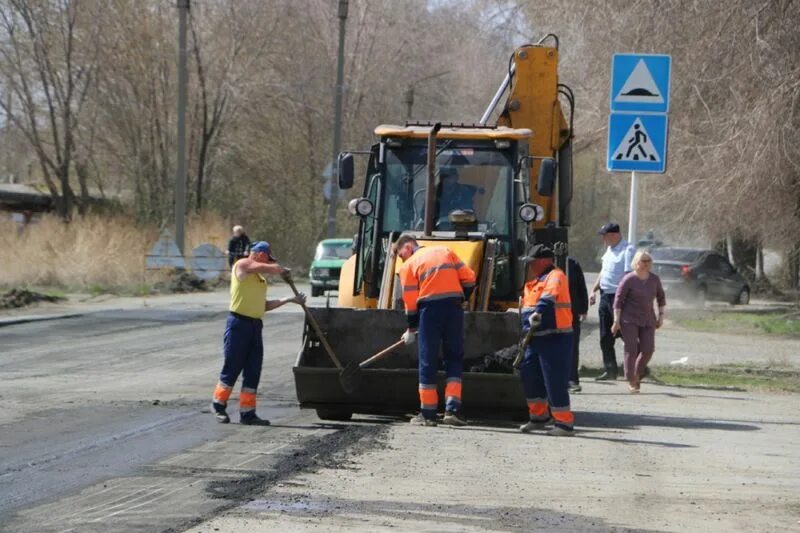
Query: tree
49	57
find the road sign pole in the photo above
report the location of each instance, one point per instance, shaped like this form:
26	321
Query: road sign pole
634	206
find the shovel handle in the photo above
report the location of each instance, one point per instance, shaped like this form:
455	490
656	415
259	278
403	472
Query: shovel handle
380	354
315	326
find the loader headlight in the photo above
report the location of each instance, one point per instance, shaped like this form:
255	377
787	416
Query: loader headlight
360	207
531	212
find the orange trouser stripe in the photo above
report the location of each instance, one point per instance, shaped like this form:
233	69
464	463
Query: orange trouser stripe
537	409
221	393
564	417
428	398
453	390
247	400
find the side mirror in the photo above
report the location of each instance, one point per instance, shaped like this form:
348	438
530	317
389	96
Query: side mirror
345	170
547	177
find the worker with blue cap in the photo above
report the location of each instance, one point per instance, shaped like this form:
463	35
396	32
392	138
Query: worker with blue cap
242	343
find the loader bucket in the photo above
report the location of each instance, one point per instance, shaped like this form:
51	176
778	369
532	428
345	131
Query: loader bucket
389	387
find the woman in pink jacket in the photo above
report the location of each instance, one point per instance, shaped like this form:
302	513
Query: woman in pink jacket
635	318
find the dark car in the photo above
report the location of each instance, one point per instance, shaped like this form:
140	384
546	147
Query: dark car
699	275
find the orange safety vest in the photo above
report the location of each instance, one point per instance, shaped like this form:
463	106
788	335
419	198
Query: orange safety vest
431	274
549	296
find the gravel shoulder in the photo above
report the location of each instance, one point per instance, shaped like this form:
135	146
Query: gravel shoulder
666	460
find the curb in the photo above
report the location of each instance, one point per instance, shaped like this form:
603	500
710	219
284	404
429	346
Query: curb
40	318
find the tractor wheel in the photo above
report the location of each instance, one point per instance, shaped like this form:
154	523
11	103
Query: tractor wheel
334	414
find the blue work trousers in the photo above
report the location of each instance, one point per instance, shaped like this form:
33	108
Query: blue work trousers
441	325
244	351
545	370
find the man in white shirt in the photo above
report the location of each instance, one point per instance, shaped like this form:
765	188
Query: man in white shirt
616	263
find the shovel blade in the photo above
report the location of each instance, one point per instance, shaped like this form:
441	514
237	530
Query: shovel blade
350	377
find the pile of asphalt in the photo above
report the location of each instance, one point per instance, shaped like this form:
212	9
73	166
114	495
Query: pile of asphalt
182	281
16	298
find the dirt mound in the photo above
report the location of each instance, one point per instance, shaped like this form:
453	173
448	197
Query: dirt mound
16	298
182	281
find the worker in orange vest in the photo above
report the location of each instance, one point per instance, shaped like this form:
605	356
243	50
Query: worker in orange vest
435	283
546	364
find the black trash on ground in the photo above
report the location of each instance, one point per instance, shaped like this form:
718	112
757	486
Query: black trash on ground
16	298
182	281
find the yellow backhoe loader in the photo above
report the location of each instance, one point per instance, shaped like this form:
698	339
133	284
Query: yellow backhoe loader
488	191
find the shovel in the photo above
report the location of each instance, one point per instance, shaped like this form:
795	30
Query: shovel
349	376
381	354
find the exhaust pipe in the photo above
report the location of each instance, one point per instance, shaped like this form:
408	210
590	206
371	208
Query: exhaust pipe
430	191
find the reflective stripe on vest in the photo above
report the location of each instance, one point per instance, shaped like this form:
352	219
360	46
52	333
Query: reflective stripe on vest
553	287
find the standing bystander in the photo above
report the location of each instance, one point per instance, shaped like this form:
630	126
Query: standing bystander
616	263
634	316
579	298
238	245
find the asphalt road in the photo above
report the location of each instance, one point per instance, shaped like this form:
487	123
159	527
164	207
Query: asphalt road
105	427
105	417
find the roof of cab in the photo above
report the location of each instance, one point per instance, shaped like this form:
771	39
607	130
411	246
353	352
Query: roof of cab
421	132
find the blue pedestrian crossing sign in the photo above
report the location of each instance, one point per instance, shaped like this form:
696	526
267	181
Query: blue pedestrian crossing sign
637	142
640	83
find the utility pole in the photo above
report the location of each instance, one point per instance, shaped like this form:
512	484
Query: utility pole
180	174
337	122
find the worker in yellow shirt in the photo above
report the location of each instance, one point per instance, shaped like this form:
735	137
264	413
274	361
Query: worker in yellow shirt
243	347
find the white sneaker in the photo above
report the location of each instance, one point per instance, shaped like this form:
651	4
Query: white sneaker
451	418
534	425
561	432
420	420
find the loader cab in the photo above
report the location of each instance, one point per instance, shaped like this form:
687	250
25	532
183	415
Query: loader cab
478	173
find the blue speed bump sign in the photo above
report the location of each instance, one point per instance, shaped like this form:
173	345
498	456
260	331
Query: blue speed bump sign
637	142
640	83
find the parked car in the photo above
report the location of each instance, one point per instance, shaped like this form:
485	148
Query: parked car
699	275
327	264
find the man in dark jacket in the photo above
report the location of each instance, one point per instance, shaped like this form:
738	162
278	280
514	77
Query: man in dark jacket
238	245
579	297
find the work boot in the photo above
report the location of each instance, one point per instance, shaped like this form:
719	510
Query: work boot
453	418
420	420
574	387
532	425
559	431
252	419
219	413
606	376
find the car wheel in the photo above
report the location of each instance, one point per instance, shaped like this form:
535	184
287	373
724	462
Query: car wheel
334	414
743	298
316	291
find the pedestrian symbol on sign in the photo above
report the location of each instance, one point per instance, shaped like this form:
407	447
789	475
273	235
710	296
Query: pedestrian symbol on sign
636	145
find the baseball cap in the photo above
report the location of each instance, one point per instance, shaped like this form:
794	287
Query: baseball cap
611	227
539	251
263	247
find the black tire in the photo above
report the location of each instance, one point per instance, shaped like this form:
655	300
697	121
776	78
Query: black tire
743	298
316	291
334	414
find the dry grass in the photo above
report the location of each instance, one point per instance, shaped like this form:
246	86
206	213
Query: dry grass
97	253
